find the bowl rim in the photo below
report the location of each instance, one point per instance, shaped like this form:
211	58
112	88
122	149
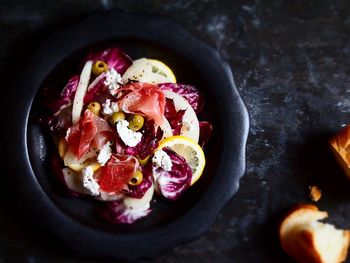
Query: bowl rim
82	238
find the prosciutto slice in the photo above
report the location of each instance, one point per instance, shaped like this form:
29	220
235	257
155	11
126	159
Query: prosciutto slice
144	99
91	131
117	173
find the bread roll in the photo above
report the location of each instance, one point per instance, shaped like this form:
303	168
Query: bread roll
340	145
307	240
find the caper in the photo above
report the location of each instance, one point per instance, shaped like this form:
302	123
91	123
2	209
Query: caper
98	67
136	122
144	161
117	116
94	107
137	178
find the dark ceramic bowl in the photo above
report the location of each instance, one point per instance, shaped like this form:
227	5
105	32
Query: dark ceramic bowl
72	220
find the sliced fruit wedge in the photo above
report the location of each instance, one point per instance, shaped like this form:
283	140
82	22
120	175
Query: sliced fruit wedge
150	71
136	203
89	158
160	68
73	181
78	101
167	131
188	149
104	196
80	166
62	147
190	116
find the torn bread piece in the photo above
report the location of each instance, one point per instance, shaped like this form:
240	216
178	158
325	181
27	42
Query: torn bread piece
307	240
340	145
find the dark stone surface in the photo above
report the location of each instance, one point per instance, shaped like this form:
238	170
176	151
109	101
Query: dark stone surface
291	65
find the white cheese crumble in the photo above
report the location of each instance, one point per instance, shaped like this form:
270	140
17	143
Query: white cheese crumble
128	136
89	181
188	125
109	107
162	159
105	154
113	81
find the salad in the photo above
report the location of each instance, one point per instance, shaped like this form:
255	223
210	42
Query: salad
125	131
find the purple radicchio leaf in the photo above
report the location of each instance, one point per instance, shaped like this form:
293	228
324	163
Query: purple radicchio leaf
116	212
189	92
58	124
205	130
149	142
174	117
172	184
56	102
138	191
98	91
113	57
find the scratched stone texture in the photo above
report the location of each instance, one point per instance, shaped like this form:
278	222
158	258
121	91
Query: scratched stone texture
291	63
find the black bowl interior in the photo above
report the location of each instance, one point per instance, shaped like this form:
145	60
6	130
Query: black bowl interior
41	146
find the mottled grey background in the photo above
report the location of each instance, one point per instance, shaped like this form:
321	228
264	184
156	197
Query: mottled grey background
291	66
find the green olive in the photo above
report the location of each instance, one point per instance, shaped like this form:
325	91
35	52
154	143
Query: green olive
144	161
94	107
98	67
117	116
136	122
137	178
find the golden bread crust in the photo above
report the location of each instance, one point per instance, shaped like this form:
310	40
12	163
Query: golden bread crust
299	240
340	145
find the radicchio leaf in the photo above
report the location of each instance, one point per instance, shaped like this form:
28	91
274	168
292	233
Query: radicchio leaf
173	183
149	141
138	191
97	91
113	57
174	117
117	212
205	130
189	92
58	124
56	102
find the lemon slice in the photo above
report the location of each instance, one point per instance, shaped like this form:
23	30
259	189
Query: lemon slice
160	68
149	71
188	149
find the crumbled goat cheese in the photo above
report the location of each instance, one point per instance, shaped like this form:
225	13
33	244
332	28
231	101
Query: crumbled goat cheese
104	154
109	107
89	181
113	81
188	125
162	159
128	136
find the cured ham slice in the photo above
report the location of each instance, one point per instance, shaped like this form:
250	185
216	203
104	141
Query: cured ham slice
118	172
91	131
144	99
